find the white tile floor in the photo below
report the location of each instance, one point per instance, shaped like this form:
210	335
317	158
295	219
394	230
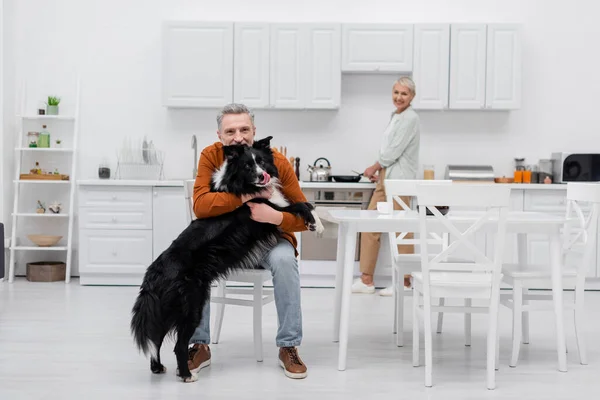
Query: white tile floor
67	342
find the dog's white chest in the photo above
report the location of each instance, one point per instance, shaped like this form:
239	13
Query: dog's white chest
278	199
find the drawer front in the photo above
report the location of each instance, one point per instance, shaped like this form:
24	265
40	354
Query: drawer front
114	251
116	197
116	218
551	201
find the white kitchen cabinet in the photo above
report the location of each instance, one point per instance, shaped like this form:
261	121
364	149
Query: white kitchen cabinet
251	64
377	48
431	65
467	66
305	66
197	64
123	229
323	83
114	257
503	75
169	217
288	60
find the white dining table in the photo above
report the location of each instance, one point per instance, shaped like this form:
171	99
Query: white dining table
522	223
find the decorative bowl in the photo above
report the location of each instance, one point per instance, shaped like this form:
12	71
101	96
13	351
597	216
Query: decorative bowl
44	240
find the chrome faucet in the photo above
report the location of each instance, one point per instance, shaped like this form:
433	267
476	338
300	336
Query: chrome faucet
195	147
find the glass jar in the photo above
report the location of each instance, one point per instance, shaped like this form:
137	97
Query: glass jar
545	174
44	139
428	172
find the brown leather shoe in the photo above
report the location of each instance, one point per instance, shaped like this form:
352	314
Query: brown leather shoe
290	361
198	357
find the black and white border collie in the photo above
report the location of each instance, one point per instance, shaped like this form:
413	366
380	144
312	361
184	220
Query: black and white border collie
177	284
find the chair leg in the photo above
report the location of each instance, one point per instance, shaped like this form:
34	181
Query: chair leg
517	320
416	323
525	320
497	348
492	338
440	320
400	316
221	292
395	289
579	322
258	306
428	340
468	303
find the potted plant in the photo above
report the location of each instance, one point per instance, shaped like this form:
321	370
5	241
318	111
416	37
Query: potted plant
58	143
52	105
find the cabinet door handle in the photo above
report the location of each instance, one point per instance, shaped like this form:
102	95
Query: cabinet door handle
114	219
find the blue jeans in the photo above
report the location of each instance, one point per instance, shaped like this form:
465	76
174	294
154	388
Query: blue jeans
282	263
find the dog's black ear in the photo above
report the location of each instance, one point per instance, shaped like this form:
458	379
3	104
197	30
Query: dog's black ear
233	151
263	143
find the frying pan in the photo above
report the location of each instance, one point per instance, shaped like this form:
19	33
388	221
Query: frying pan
347	178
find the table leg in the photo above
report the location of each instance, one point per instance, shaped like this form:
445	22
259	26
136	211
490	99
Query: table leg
557	295
349	251
339	275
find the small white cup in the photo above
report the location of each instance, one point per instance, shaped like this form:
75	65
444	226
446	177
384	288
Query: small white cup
385	207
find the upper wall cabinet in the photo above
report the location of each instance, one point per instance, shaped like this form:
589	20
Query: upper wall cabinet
323	72
288	65
485	66
467	66
377	48
431	64
503	75
251	64
305	66
197	64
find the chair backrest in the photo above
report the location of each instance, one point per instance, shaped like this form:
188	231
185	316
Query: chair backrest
585	230
394	189
494	199
188	189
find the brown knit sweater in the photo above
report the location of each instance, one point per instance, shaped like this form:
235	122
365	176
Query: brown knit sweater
211	204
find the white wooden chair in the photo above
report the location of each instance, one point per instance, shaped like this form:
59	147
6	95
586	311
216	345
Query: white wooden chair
259	295
406	263
479	279
577	238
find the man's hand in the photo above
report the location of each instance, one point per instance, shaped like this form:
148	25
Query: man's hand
265	194
265	214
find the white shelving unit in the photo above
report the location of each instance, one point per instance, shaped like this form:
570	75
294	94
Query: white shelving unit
18	216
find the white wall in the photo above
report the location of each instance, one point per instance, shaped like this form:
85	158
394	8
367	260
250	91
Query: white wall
116	47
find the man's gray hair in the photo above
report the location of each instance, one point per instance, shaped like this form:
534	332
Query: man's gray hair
234	108
409	83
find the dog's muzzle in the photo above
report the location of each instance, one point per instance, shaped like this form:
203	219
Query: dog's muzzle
265	179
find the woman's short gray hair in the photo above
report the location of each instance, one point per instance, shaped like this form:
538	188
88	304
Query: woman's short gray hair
406	81
234	108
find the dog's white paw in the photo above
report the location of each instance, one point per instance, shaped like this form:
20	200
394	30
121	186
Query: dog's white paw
191	379
319	228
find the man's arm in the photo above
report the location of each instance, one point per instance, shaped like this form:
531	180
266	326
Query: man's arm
291	190
207	203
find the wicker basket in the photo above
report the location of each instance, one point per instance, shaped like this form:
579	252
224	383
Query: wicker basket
46	271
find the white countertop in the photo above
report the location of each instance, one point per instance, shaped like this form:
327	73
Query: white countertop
303	184
534	186
129	182
336	185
